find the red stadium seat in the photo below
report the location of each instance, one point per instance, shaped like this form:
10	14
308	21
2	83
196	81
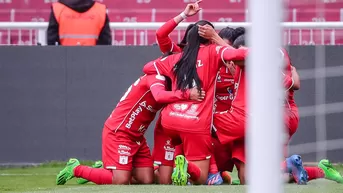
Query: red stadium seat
134	15
35	15
222	15
224	4
144	4
317	15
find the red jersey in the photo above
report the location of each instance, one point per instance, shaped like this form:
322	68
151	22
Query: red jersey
138	106
288	81
225	83
239	101
224	89
194	116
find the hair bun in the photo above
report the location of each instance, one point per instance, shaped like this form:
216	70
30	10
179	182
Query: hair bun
238	32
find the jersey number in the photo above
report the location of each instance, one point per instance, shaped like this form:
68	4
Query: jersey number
129	90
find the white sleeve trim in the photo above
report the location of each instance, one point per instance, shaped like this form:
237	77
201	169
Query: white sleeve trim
172	47
158	72
155	84
291	84
222	55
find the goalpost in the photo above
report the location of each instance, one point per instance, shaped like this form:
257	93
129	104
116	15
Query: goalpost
264	126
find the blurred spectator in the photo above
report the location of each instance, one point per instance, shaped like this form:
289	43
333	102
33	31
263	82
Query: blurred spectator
78	22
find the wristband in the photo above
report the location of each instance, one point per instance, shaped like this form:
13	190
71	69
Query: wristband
183	15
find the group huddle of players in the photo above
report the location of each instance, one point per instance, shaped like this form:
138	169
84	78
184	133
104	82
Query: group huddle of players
199	87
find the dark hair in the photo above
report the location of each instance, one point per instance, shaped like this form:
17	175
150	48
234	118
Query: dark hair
183	42
185	69
240	41
231	34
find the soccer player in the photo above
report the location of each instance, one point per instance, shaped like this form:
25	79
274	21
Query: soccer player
189	122
224	97
224	80
292	83
124	149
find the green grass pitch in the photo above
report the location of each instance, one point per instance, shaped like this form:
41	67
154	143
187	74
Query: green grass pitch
42	179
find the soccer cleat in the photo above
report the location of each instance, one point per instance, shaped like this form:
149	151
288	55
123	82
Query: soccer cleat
295	165
68	172
236	182
97	164
214	179
226	177
180	175
330	172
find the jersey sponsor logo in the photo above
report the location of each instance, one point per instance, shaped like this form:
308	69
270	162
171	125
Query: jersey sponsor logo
222	98
123	160
147	107
169	151
183	115
133	116
229	80
193	110
124	152
137	111
124	147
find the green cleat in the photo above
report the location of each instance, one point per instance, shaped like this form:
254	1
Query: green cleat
330	172
236	182
68	172
97	164
180	175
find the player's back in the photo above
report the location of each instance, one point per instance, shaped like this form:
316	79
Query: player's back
193	116
135	110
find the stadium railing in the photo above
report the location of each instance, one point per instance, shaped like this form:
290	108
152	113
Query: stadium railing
40	29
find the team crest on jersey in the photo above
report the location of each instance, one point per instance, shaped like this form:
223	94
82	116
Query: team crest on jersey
229	90
219	78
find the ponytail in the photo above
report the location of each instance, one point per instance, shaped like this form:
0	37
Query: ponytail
185	69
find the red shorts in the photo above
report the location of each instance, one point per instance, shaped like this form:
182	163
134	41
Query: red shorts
223	156
164	150
238	150
229	125
291	121
120	152
195	146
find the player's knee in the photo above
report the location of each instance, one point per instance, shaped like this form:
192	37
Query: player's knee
165	180
121	179
147	180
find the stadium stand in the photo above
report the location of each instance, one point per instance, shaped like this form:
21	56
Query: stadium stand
161	11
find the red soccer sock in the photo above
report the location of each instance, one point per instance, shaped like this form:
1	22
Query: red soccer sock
314	173
194	171
213	166
284	166
96	175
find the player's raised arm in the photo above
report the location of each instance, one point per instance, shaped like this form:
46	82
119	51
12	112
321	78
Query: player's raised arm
162	34
158	89
209	33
